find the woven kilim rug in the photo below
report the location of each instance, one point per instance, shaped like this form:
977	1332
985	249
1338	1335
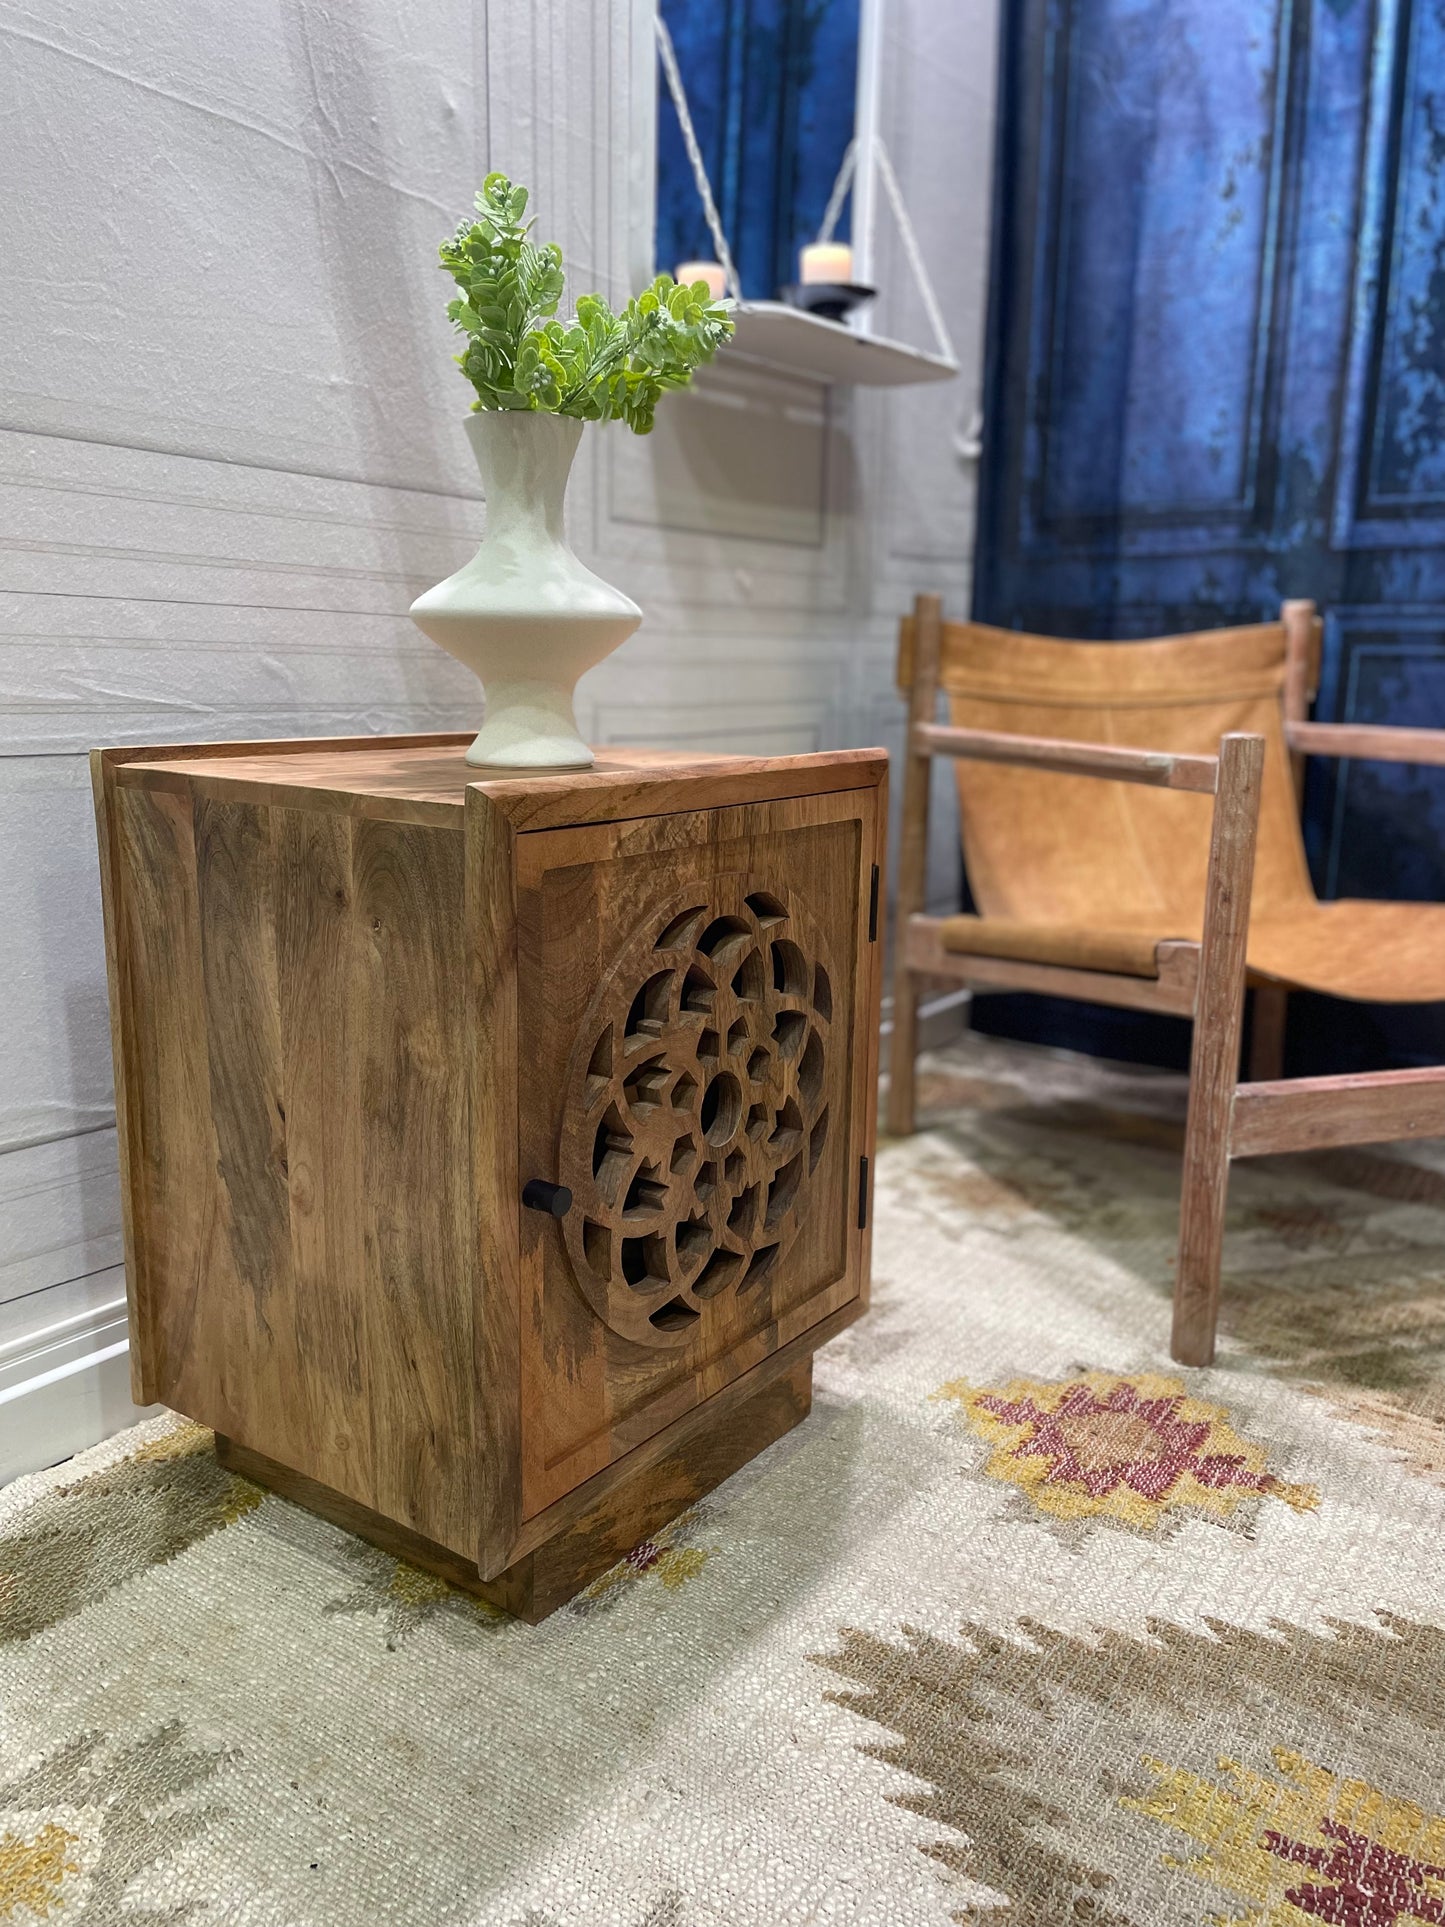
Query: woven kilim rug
1023	1625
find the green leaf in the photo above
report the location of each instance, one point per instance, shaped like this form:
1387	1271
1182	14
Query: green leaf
597	366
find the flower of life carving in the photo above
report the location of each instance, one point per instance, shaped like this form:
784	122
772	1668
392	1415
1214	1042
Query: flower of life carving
697	1108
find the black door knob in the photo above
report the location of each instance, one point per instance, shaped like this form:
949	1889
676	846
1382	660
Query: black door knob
554	1199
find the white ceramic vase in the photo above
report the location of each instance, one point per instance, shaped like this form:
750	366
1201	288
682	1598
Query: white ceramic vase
524	614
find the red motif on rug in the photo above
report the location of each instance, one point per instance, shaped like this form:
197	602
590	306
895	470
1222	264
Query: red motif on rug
1130	1447
1164	1446
1370	1885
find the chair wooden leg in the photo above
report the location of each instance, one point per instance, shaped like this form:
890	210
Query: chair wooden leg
1203	1196
1214	1059
1266	1036
902	1054
912	860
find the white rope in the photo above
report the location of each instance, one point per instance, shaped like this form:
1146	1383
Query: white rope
841	185
911	249
840	189
675	87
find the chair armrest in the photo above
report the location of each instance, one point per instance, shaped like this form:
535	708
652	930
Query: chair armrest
1163	769
1377	742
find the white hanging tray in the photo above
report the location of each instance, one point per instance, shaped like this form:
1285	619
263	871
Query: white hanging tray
806	344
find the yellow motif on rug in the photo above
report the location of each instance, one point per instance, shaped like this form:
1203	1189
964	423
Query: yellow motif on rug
1128	1448
1304	1845
668	1556
37	1860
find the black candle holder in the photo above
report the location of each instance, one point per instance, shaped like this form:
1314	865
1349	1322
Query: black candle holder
833	300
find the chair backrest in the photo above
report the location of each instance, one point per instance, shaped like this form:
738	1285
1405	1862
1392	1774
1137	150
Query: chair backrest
1045	848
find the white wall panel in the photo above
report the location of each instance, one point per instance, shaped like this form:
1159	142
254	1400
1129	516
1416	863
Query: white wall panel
221	228
59	1212
53	1012
744	454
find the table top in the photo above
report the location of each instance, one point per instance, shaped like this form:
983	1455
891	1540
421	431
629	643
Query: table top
426	779
424	772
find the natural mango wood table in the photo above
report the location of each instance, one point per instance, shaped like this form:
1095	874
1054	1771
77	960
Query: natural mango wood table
369	1005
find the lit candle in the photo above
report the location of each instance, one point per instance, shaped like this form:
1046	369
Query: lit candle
826	261
713	272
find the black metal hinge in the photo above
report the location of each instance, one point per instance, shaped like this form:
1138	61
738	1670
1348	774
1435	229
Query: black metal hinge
862	1194
873	907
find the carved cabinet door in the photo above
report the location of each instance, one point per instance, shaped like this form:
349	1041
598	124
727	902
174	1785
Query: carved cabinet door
697	1045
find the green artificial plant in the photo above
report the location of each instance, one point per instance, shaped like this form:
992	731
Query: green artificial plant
600	366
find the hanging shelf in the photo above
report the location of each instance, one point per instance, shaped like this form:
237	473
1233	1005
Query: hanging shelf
829	351
791	338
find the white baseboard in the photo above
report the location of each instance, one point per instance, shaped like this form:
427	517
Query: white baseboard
64	1373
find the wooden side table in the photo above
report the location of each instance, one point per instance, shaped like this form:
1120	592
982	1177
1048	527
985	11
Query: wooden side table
495	1153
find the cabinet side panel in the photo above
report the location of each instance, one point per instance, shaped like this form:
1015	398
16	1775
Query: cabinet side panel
236	885
248	1372
299	1144
409	984
316	937
171	1146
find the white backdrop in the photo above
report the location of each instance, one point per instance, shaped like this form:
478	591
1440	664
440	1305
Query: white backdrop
230	455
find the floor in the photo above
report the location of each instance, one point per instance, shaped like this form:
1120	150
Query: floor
1023	1624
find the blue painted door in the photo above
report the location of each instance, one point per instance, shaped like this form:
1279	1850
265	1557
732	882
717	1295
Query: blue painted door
1217	378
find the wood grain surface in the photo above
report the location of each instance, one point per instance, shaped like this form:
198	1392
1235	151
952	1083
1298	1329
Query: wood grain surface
919	642
495	1059
1319	1113
700	1096
653	1495
1159	769
426	780
1214	1056
294	1067
542	1580
347	984
583	894
1374	742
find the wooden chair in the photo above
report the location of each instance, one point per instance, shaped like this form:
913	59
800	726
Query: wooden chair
1121	804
